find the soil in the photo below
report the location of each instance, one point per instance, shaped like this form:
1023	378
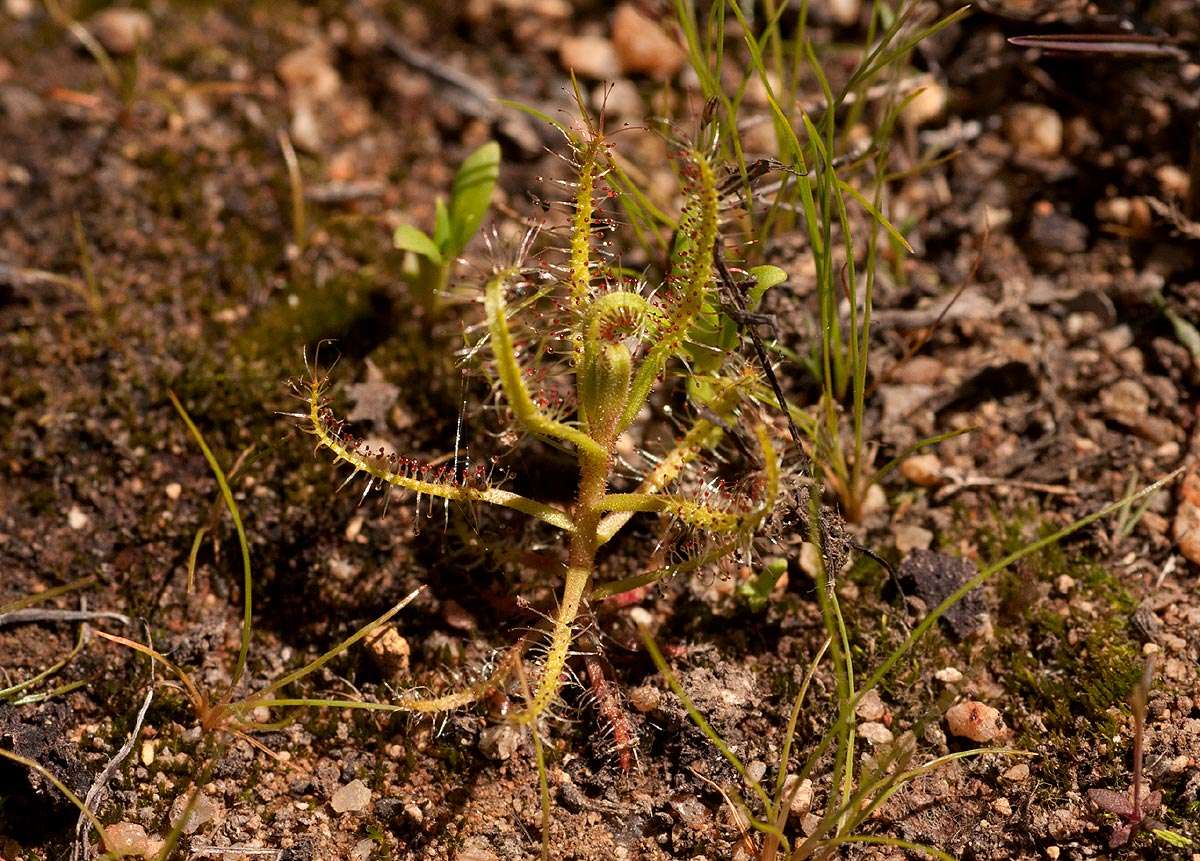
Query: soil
148	244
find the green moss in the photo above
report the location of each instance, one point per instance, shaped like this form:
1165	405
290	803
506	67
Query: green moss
1070	665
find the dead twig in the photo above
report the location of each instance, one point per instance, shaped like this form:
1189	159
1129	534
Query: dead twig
24	617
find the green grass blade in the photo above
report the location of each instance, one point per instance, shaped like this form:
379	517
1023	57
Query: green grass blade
243	543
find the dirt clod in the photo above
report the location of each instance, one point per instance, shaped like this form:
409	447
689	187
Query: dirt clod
934	577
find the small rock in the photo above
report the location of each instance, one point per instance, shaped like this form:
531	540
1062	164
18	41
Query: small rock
645	698
475	853
921	370
619	99
76	519
1054	231
1002	807
1019	773
1064	583
1035	131
1125	401
499	742
948	676
870	707
643	47
926	105
19	9
875	733
204	811
390	651
1052	852
351	798
974	720
900	401
800	792
910	538
362	849
845	12
174	490
922	469
308	72
810	559
1115	209
1116	339
121	30
129	838
1174	181
590	57
456	616
875	501
1186	528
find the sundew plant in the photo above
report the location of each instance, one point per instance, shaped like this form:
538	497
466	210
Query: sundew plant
577	348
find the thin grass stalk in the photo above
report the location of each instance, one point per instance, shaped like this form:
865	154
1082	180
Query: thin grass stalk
243	543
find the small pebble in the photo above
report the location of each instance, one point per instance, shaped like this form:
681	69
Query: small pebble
926	105
174	490
845	12
644	47
590	57
351	798
645	698
129	838
1186	528
910	538
618	99
390	651
948	676
1002	807
800	792
922	469
121	30
1035	131
76	519
875	733
475	853
1019	773
1125	401
870	707
499	742
1174	181
974	720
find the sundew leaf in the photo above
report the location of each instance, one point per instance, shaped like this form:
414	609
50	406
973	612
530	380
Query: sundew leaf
471	194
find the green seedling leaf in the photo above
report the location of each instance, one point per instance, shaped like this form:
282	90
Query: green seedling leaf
1174	838
441	224
409	238
757	590
471	194
765	277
